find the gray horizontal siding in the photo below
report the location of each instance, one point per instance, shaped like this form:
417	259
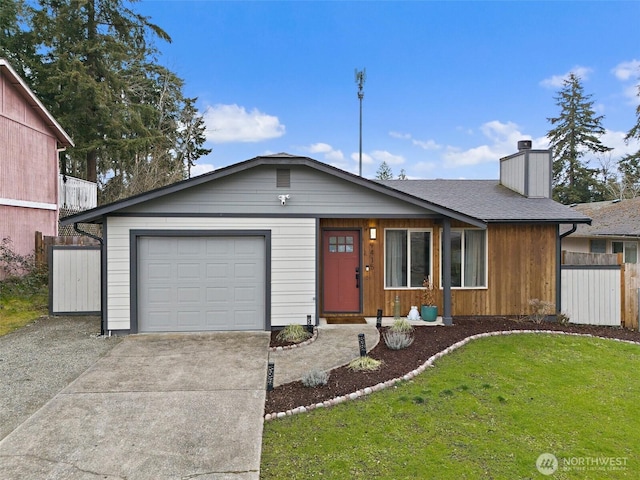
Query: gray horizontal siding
312	193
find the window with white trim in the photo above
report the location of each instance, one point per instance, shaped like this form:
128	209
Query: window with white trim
468	258
628	249
407	257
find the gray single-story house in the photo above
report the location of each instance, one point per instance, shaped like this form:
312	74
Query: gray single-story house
269	241
615	228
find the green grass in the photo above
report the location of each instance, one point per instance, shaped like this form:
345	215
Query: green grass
488	410
20	309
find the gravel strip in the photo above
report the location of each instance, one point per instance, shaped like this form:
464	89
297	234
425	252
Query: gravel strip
40	359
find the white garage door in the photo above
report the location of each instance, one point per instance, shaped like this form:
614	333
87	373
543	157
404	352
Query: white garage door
192	284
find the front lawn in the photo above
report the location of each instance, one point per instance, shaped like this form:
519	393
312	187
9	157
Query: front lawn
488	410
17	310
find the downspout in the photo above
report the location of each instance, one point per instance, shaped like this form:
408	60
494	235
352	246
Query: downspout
559	238
102	299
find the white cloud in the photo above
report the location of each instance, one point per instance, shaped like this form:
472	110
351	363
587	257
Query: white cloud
401	136
503	140
200	169
384	156
330	154
557	81
615	140
632	92
233	123
425	144
627	70
366	159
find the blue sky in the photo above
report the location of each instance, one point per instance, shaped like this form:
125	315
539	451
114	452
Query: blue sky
451	86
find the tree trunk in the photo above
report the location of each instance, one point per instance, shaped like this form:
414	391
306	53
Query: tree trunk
92	172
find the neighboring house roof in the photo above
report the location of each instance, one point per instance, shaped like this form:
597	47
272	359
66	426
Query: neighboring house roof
616	218
19	84
488	200
476	202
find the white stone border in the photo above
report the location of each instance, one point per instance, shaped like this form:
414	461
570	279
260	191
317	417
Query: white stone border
297	345
423	367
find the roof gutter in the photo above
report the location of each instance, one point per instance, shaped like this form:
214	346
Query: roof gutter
102	270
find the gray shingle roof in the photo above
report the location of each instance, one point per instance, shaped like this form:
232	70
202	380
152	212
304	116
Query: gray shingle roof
487	200
610	218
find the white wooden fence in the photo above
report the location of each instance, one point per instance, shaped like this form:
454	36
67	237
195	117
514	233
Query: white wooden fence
74	280
591	294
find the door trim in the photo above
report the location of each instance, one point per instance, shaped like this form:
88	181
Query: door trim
133	263
323	230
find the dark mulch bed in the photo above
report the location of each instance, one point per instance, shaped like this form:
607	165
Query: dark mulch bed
396	363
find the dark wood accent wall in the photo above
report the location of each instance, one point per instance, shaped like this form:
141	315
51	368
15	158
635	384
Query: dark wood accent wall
521	266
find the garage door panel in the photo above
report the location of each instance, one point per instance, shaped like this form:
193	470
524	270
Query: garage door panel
245	294
190	319
223	290
159	270
189	247
159	296
217	247
217	270
245	271
188	271
189	295
159	320
217	295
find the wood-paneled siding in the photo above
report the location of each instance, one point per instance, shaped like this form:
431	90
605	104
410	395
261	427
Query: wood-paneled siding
28	162
293	262
28	171
521	266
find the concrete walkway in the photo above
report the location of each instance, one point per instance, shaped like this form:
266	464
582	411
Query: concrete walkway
335	345
156	407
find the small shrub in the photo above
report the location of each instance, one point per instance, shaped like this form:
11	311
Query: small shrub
293	333
315	378
397	340
365	363
563	318
540	310
401	325
22	275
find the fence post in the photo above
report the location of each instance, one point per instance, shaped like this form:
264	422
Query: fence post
40	255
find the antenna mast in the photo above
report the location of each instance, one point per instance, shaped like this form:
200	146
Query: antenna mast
361	76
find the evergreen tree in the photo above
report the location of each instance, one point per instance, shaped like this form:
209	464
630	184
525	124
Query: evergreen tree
384	172
629	165
577	131
16	43
191	136
402	175
94	65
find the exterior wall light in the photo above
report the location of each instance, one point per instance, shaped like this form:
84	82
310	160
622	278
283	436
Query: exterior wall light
373	233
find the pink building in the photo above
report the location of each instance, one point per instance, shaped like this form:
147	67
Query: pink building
30	139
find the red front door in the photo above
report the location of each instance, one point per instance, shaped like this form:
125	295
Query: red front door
342	277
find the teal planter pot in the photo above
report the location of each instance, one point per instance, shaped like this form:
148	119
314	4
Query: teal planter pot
429	314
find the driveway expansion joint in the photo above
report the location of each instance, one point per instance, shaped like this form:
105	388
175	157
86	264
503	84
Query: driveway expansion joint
75	467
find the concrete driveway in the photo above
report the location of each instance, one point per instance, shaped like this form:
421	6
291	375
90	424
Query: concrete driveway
172	406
